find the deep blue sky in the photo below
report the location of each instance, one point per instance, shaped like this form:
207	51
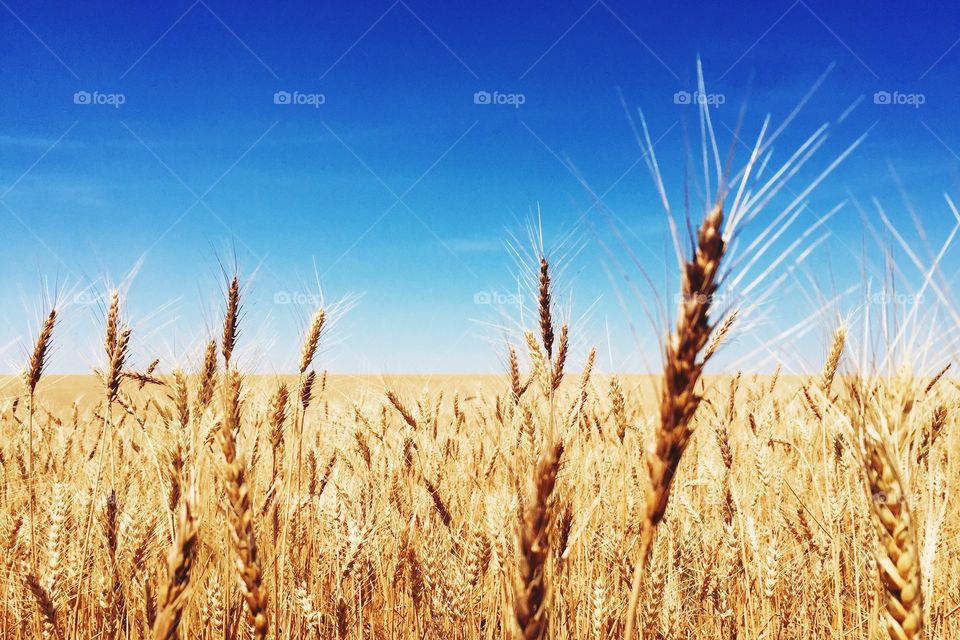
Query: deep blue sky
399	190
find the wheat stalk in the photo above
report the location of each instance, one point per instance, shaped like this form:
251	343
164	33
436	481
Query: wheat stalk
897	555
401	409
231	317
312	340
208	377
679	399
46	606
240	512
530	599
38	357
546	322
173	596
833	361
721	334
31	377
116	342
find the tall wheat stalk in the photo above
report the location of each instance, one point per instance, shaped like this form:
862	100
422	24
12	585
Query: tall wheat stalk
679	399
31	378
116	344
240	513
531	597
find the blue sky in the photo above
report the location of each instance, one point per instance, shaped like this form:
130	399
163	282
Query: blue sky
151	133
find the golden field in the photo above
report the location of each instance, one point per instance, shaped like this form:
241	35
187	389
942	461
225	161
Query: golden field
192	500
401	515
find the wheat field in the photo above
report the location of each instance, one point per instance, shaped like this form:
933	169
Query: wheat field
197	500
541	503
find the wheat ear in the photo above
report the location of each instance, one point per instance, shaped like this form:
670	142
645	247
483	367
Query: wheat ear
208	377
898	559
833	361
546	322
229	340
47	607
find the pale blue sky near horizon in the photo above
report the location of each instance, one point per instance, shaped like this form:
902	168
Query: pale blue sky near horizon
385	152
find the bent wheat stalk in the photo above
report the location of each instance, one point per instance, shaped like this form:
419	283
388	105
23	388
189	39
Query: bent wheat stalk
47	607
